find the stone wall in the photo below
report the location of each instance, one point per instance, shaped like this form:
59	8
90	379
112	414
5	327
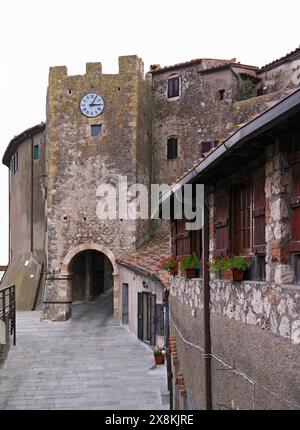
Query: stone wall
255	332
198	115
278	218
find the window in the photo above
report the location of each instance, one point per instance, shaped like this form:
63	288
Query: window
36	152
185	241
172	148
248	223
206	146
240	223
245	221
295	212
221	95
14	163
297	268
96	130
173	86
295	201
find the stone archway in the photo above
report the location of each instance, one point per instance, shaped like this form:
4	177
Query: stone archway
76	250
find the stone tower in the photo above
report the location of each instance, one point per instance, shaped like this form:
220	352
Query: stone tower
83	152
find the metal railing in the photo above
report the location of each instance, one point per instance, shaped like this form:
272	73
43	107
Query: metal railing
8	309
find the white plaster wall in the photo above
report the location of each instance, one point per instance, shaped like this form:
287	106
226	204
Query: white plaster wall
135	286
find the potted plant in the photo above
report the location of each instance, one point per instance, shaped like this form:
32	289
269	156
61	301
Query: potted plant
159	355
231	267
169	264
190	264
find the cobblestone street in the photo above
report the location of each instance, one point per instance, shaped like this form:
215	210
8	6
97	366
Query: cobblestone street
88	362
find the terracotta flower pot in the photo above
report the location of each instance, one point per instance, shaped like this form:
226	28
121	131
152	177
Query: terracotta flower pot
235	275
159	359
191	273
173	272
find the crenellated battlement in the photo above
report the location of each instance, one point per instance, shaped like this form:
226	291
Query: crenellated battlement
128	64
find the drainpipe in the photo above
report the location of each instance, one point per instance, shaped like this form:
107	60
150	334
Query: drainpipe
206	286
168	355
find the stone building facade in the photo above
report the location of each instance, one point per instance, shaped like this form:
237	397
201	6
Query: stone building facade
78	162
240	348
151	130
26	159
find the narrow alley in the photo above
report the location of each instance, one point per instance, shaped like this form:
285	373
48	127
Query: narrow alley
88	362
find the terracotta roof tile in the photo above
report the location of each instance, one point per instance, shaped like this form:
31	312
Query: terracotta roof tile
274	63
147	257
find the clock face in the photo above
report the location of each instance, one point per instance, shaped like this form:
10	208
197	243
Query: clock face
91	105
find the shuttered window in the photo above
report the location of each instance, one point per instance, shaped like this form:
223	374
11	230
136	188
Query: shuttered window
36	152
295	202
221	224
173	87
172	148
248	220
259	213
185	242
245	218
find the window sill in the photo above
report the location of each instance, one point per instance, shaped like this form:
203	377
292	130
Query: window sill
173	99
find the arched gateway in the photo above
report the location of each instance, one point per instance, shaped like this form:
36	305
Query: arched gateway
87	270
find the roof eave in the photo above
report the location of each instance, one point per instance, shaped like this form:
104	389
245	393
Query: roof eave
17	140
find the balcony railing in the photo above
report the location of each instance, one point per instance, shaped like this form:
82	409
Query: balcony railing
8	309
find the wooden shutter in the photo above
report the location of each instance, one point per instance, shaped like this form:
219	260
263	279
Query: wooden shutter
153	319
221	224
258	216
181	238
295	202
140	316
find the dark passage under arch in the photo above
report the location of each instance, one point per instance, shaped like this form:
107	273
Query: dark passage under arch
92	275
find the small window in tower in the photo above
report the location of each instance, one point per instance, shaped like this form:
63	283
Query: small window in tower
96	130
221	94
36	152
172	148
173	87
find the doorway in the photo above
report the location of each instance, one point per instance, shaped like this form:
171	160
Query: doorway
147	317
125	304
92	275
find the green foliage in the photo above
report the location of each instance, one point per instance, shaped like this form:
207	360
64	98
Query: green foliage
158	351
190	262
229	263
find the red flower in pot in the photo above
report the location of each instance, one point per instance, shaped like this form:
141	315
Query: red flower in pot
231	267
169	264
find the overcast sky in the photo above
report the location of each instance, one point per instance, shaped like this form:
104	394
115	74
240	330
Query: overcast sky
37	34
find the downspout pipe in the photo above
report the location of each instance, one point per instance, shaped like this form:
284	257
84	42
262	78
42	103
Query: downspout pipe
167	342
